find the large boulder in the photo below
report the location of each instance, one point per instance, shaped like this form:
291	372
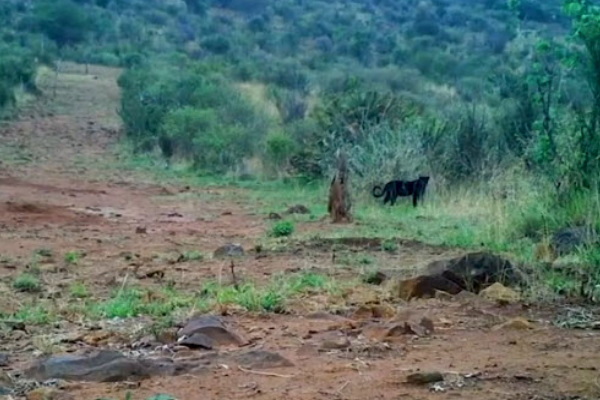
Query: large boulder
101	366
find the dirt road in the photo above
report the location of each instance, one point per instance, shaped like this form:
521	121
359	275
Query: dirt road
61	192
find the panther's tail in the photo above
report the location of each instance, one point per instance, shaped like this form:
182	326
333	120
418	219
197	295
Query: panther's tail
377	191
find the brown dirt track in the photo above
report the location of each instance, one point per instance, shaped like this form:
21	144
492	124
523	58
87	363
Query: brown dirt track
56	193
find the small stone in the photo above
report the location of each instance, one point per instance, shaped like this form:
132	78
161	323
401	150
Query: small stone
501	294
4	359
515	323
423	378
140	230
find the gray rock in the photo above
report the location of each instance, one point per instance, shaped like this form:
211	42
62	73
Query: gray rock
4	359
104	366
214	329
567	240
229	250
261	359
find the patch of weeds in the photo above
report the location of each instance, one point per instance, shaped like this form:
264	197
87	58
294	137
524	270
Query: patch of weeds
352	259
307	281
248	296
43	252
27	283
131	302
192	255
282	228
73	257
35	315
463	236
79	290
390	246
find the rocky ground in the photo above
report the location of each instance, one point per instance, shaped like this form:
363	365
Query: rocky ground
85	230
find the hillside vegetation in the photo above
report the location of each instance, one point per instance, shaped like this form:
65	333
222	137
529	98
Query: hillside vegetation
499	101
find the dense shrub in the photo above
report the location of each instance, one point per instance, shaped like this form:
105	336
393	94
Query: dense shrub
208	122
62	20
17	69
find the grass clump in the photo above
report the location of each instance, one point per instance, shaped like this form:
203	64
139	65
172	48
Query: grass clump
132	302
390	246
27	283
73	257
192	255
34	315
78	290
283	229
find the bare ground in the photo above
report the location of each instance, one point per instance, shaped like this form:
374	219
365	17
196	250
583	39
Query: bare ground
57	192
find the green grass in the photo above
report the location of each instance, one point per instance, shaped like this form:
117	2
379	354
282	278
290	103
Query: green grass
282	229
27	283
165	302
14	154
73	257
79	290
192	255
34	315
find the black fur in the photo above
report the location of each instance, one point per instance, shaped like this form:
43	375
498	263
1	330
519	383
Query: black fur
395	189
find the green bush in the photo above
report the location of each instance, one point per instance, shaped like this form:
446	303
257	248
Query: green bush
282	228
208	122
63	21
280	148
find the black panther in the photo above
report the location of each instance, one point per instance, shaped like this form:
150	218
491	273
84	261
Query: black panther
395	189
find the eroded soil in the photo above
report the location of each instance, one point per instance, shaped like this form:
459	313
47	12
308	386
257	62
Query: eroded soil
59	191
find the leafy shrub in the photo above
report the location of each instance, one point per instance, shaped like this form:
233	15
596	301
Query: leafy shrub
283	228
280	148
207	120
